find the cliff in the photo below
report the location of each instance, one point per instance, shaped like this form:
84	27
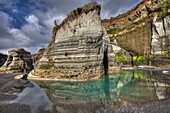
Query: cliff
38	56
18	60
139	12
79	49
160	44
143	31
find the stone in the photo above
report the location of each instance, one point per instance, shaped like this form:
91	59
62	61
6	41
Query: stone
160	44
143	31
18	60
81	48
38	56
157	35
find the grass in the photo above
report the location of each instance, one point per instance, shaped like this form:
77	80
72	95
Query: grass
138	60
113	31
121	58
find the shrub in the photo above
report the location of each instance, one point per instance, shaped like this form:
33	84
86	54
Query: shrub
113	31
121	58
166	53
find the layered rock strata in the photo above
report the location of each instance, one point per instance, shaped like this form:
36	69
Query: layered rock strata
38	56
161	35
144	32
160	45
137	13
18	60
80	49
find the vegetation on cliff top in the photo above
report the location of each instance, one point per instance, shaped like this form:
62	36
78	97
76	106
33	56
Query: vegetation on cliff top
84	9
165	6
75	14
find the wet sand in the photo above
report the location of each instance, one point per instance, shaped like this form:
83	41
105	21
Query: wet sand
13	97
9	90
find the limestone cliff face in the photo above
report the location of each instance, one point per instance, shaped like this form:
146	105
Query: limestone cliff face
160	45
133	30
18	60
137	13
161	35
147	34
81	49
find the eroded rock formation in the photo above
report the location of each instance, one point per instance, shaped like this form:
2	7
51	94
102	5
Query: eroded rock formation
38	56
144	31
161	35
18	60
80	48
160	45
137	13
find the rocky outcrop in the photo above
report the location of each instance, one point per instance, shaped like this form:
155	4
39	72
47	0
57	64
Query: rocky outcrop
3	58
18	60
143	31
161	41
161	35
38	56
137	13
81	48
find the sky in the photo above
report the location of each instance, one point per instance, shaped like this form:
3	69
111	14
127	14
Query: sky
28	23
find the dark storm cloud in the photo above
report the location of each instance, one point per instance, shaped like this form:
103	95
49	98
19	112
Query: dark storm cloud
29	23
11	37
3	27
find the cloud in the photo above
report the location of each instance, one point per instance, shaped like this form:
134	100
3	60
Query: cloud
28	37
7	3
4	23
30	22
32	19
11	37
40	33
111	8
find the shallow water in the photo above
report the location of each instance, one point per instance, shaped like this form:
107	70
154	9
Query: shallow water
112	91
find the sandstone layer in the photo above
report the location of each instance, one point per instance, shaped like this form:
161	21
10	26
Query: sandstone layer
80	48
18	60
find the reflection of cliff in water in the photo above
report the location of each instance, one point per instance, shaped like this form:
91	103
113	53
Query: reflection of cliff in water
127	88
143	87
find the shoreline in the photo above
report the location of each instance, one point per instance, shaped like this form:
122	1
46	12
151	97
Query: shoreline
32	77
142	68
160	105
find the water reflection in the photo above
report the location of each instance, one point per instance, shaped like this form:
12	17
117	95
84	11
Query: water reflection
107	87
128	87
